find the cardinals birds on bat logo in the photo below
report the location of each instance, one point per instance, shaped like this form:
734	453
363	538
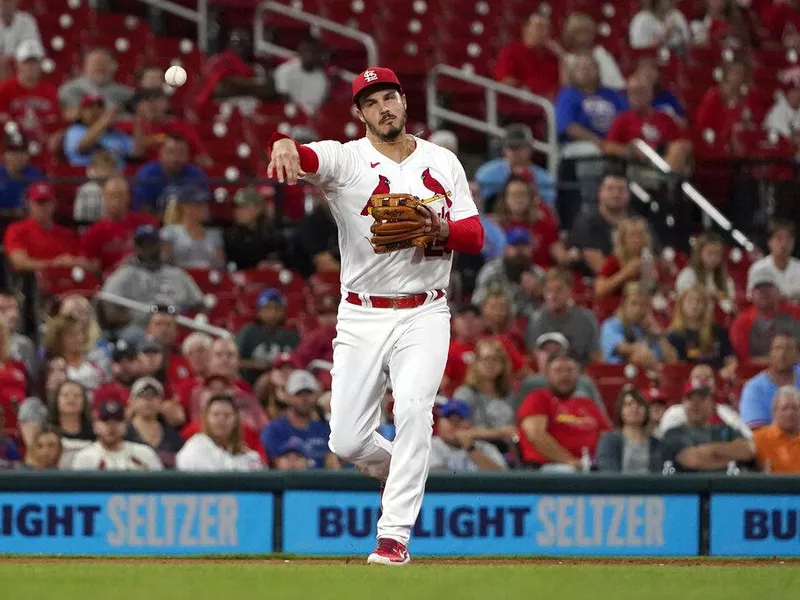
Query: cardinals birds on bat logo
381	188
431	183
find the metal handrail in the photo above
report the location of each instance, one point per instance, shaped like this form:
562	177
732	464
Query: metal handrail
179	319
261	45
199	16
695	196
489	125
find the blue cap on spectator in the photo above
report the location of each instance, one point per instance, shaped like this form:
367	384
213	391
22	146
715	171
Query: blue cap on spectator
457	407
295	444
145	232
518	235
268	296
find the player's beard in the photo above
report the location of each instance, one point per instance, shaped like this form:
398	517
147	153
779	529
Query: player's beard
392	131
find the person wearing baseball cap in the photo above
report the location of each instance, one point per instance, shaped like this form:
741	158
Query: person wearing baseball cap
373	275
95	129
292	456
517	143
111	452
265	338
455	449
37	242
700	444
15	173
300	421
147	425
252	240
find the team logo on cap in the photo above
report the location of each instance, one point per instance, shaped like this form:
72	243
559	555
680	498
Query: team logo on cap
370	76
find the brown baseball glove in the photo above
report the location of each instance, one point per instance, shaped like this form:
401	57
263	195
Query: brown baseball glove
398	224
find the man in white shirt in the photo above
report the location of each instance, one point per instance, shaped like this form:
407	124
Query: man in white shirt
784	116
780	260
110	452
303	80
16	27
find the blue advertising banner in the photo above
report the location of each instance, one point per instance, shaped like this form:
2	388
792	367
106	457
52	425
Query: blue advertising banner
136	524
500	524
755	525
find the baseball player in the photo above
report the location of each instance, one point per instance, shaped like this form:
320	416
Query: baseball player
402	206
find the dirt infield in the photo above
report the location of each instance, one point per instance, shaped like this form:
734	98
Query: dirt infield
537	561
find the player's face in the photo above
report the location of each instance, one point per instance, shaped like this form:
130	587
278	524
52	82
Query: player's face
384	114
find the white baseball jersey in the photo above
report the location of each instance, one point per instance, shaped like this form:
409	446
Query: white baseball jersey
349	174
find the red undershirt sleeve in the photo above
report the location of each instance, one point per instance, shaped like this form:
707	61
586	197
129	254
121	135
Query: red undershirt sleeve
466	235
309	161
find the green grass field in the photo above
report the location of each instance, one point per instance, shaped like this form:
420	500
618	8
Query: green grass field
248	580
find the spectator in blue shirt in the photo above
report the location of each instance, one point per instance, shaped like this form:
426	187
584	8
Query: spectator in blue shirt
93	130
300	422
517	154
584	110
171	168
782	369
15	174
632	335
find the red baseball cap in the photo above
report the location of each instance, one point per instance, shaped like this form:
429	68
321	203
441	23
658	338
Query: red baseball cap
372	77
92	100
40	192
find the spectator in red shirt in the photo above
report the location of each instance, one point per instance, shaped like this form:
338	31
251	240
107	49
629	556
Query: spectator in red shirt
27	99
782	23
655	127
318	343
124	371
722	25
109	241
556	428
151	118
728	107
534	61
36	242
631	261
521	206
752	331
229	75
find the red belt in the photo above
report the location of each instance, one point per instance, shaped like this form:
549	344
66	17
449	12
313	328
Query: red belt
412	301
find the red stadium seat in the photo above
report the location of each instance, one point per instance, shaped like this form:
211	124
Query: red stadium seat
212	280
57	281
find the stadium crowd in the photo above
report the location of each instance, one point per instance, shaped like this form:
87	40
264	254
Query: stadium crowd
575	347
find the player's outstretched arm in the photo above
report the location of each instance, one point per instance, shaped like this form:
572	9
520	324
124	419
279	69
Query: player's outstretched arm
288	161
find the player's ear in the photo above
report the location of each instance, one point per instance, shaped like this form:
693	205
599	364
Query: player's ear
360	116
403	100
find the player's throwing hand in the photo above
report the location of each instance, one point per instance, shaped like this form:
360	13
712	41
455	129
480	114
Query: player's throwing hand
285	162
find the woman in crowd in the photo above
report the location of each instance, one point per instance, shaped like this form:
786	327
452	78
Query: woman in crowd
45	449
70	412
632	335
521	206
663	99
660	25
219	447
695	336
147	426
33	413
187	242
580	36
632	261
707	268
629	449
98	349
727	106
66	338
486	389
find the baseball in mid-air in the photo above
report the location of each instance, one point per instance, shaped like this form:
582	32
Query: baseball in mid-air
175	76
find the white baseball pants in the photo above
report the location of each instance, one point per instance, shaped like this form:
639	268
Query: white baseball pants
407	347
